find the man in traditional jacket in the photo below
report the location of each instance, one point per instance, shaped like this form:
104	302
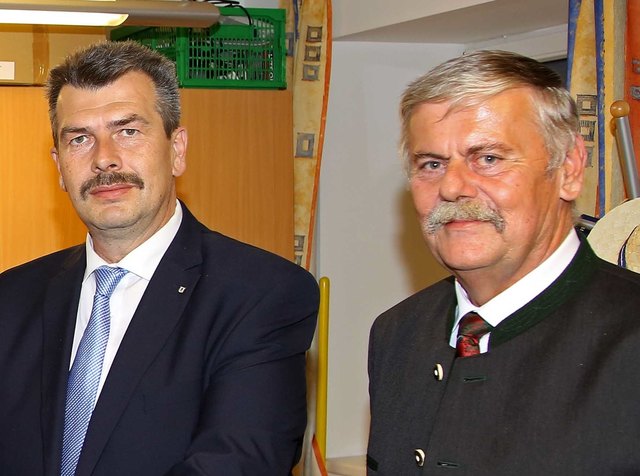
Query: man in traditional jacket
524	362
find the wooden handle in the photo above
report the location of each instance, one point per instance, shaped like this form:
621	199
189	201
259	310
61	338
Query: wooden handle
620	109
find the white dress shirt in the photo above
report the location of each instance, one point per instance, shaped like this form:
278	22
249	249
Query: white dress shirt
519	294
140	263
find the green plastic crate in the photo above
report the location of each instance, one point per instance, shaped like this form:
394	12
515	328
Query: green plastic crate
230	54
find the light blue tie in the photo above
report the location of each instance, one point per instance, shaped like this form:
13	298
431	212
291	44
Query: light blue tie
85	372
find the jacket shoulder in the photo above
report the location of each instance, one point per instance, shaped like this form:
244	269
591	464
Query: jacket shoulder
246	265
45	266
438	297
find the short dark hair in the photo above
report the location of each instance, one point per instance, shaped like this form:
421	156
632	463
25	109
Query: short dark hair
103	63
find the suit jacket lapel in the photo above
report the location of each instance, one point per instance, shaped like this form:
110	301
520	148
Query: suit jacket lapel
59	316
158	313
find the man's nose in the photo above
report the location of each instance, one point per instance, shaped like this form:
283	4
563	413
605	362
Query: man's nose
457	182
106	156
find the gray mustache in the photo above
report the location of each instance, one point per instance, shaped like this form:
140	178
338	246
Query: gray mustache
110	178
465	210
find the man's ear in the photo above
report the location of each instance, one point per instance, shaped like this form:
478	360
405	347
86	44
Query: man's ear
572	171
179	148
56	159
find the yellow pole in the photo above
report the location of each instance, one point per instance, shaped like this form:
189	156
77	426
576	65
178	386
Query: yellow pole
323	362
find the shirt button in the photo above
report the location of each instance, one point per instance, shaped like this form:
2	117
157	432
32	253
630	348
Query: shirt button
419	456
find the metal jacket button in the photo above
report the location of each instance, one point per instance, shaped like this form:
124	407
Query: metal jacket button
438	372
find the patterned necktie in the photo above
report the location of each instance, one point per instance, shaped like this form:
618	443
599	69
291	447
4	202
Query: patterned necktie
472	327
85	372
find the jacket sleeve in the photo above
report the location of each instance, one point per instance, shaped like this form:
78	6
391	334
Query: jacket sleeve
253	416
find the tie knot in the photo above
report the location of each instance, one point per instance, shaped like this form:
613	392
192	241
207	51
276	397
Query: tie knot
107	278
472	327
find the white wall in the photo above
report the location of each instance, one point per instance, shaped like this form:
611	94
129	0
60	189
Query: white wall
368	241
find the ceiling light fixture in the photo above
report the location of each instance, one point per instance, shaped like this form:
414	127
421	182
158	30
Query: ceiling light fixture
185	13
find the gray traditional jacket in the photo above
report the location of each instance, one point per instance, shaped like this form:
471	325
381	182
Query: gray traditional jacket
558	393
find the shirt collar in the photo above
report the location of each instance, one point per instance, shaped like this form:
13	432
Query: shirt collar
523	291
143	260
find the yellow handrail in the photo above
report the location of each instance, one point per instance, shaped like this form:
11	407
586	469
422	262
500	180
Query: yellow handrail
323	363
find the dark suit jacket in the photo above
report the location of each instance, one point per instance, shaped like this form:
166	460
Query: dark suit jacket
558	393
209	378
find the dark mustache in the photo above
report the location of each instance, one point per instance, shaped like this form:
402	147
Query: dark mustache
110	178
464	210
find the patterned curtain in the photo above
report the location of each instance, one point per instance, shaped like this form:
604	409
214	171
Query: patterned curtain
632	72
308	72
596	80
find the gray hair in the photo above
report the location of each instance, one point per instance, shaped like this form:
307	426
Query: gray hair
103	63
473	78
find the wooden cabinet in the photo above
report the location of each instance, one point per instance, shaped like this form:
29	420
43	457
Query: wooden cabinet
239	177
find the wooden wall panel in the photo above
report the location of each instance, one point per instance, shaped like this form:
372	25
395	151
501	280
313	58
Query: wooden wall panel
35	214
239	177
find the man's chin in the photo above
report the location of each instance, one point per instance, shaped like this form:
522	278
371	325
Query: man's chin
463	250
113	218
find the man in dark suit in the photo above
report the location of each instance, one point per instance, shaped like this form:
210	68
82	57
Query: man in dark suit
201	370
524	362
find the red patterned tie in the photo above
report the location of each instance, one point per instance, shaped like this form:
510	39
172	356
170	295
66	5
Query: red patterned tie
472	327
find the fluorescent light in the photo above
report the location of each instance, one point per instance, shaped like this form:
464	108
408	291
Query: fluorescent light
110	12
41	17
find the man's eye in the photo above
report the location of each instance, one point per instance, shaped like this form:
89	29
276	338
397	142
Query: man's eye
426	164
488	159
129	132
429	165
78	140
